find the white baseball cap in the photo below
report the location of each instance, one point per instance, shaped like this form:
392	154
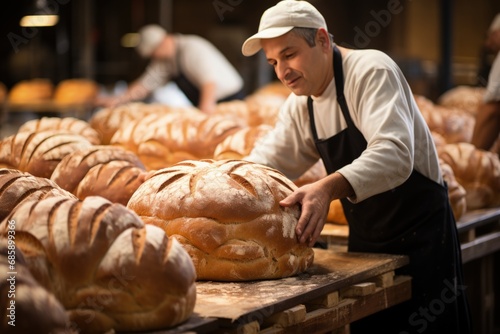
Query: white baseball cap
280	19
495	24
150	37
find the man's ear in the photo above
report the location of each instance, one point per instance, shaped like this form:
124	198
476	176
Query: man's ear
323	39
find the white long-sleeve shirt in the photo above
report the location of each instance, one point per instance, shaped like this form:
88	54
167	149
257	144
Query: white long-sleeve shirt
200	62
381	106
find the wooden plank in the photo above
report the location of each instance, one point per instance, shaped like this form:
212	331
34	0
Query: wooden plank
480	247
241	302
329	300
288	317
358	290
195	324
349	310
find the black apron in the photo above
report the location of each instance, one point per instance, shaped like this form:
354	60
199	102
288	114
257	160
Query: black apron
414	219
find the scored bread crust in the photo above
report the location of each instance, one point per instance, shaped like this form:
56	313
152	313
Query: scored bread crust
38	153
227	216
478	171
69	124
74	167
101	262
17	187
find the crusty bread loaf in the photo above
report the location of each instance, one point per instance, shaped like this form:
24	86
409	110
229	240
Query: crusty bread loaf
336	213
25	306
108	270
455	125
108	120
67	124
74	167
467	98
240	143
478	171
31	91
17	187
227	216
38	153
456	193
185	138
115	180
76	91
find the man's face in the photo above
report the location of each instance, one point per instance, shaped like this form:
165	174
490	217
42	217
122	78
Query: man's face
493	40
303	69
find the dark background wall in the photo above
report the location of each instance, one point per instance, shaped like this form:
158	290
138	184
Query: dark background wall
86	41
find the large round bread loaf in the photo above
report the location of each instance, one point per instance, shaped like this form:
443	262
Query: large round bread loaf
101	170
239	144
68	124
38	153
25	306
113	180
478	171
17	187
109	270
227	216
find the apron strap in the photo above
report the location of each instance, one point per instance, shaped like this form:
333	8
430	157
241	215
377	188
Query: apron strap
338	75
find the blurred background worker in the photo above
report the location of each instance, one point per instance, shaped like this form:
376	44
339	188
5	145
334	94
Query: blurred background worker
198	68
487	126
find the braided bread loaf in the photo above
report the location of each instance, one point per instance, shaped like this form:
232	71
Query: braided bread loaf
101	262
227	216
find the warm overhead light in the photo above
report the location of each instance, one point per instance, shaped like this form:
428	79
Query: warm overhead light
39	20
130	40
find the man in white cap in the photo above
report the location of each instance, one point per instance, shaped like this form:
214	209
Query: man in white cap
355	111
487	126
198	68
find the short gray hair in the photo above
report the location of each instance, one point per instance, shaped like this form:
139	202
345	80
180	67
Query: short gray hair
309	35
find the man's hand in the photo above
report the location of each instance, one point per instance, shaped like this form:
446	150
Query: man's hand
315	199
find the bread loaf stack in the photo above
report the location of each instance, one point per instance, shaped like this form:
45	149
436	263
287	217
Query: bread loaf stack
109	270
108	120
25	306
38	153
478	171
100	170
174	138
66	124
227	216
466	98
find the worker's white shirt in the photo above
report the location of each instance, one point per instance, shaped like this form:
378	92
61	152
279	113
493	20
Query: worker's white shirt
493	88
381	106
200	62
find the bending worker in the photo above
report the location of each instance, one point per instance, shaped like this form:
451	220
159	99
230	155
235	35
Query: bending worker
198	68
355	110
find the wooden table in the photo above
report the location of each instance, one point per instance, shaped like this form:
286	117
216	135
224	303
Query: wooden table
338	289
479	233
